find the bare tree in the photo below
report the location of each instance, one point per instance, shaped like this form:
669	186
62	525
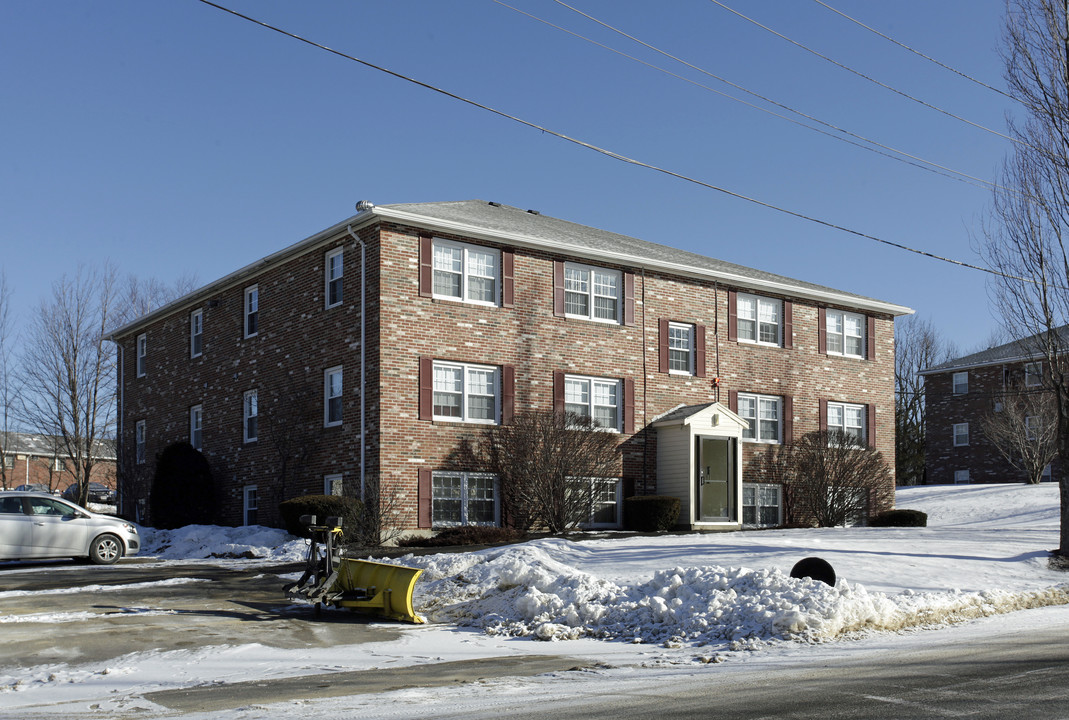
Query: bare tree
917	346
835	478
551	467
1024	429
1025	239
292	419
70	371
9	381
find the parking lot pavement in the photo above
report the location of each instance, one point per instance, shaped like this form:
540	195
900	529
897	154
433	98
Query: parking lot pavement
138	606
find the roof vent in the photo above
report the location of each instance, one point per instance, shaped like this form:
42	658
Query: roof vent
534	212
494	204
364	205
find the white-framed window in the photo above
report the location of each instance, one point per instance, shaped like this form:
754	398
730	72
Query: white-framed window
961	477
1033	374
58	464
1047	475
332	484
606	509
680	348
593	293
9	460
466	393
468	273
250	414
252	310
848	418
759	319
142	354
334	270
762	505
763	412
961	434
196	423
251	505
1031	424
960	381
464	498
597	398
196	333
139	442
845	333
332	396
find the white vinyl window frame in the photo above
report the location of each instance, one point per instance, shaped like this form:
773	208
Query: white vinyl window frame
607	503
961	477
844	334
764	413
466	273
196	333
332	396
139	442
593	293
960	382
196	426
961	434
142	354
465	498
849	418
601	399
681	348
1033	374
334	272
332	484
250	416
252	311
250	511
762	505
466	392
58	464
759	320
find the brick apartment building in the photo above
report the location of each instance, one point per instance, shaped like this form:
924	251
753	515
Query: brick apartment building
417	325
958	395
35	459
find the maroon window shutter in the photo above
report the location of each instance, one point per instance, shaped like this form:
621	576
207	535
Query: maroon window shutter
508	393
426	388
870	424
426	265
788	324
558	288
733	316
788	419
822	331
871	337
733	401
423	498
662	345
629	406
824	415
629	298
508	278
699	350
558	391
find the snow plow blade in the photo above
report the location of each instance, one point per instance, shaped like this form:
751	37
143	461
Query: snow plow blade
375	587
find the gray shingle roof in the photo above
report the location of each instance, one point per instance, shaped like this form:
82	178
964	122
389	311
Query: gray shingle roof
1015	351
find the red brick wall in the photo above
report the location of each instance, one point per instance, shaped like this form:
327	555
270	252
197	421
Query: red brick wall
297	335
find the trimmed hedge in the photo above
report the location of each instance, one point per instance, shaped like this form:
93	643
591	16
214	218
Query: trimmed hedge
183	491
900	518
322	506
651	513
465	535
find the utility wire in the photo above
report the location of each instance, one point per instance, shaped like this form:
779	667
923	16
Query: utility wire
915	52
892	153
615	155
866	77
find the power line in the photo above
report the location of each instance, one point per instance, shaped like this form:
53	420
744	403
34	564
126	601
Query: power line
866	77
615	155
898	155
915	52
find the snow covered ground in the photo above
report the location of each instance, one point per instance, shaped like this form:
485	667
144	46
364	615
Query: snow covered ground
678	601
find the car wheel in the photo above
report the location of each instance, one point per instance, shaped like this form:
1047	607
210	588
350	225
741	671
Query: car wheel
105	550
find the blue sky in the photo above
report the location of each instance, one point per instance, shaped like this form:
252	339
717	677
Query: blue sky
173	138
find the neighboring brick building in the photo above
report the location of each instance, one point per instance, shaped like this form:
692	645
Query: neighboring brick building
34	459
476	311
958	394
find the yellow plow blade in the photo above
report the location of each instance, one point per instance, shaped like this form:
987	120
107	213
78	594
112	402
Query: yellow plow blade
379	588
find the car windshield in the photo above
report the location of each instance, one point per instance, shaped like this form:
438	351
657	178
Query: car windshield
44	506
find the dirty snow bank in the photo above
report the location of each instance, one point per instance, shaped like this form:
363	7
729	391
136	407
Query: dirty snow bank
209	541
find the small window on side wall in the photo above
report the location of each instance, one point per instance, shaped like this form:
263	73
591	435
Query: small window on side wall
961	383
334	272
252	311
196	333
142	354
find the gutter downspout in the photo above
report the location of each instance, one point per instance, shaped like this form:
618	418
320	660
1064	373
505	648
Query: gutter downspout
119	437
363	358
